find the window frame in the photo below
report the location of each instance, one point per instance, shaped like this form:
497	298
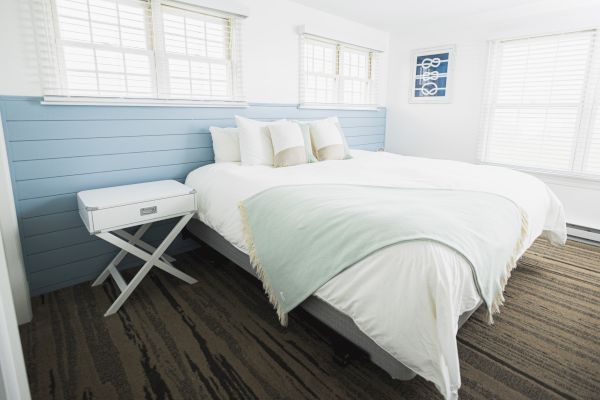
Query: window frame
588	108
160	95
372	80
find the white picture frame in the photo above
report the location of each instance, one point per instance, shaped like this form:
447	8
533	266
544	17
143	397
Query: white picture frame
432	72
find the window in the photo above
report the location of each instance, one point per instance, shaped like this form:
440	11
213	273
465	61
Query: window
105	48
141	49
333	73
198	54
354	76
541	109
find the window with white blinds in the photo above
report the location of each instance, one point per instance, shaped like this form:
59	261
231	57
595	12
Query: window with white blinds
334	73
355	76
320	72
105	48
141	49
197	54
541	108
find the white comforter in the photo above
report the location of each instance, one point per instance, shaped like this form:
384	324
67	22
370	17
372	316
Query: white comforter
407	297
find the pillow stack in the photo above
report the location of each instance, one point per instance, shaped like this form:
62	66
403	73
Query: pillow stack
280	143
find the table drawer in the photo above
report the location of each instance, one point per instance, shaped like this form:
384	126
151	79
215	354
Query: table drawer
106	219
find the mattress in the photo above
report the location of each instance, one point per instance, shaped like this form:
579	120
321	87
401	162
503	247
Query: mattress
316	307
407	298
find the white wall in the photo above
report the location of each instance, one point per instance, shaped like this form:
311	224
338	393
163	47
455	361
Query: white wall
270	47
451	131
13	375
16	77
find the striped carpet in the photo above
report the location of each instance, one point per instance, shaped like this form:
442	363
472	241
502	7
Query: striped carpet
220	339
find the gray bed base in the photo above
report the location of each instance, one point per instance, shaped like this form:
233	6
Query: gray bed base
316	307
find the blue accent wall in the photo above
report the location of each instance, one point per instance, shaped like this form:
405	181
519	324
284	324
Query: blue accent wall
55	151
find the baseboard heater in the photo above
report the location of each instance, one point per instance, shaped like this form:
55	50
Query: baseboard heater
583	234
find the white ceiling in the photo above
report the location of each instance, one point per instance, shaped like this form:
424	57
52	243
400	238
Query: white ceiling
399	15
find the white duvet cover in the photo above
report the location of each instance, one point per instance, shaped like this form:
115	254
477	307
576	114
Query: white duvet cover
407	297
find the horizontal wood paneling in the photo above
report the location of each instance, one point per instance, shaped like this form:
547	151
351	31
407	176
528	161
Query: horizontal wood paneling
56	130
46	149
44	242
35	188
49	223
87	269
75	252
32	208
36	169
61	129
56	151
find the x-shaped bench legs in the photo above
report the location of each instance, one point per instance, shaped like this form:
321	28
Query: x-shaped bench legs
152	257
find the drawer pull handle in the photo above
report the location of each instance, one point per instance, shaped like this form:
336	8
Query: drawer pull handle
148	210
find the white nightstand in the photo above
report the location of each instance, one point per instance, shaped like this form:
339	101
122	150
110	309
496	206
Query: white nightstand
106	212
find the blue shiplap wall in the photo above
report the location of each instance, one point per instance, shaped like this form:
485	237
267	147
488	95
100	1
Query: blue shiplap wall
56	151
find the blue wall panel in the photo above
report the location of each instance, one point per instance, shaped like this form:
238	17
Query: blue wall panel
56	151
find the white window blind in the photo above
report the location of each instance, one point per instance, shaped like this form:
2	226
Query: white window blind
201	54
591	160
355	76
539	109
122	49
104	48
320	66
334	73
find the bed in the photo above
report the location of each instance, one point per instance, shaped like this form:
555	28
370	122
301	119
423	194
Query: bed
405	303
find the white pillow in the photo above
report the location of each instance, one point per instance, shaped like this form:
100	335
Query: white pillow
226	144
288	144
255	141
328	140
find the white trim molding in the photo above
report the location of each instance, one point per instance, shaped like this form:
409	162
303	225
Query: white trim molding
114	101
582	233
13	375
9	228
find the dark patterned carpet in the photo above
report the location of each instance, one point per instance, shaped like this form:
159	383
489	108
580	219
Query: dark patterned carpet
220	339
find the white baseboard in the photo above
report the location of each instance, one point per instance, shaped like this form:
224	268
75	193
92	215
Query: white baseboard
588	235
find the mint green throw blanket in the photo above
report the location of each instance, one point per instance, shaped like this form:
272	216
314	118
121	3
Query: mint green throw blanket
301	236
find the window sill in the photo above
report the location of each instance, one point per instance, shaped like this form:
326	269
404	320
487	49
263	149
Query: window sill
339	107
556	177
113	101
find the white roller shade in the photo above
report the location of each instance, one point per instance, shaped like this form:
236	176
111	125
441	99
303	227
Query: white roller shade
538	102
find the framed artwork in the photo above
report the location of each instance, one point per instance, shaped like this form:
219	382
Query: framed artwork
431	75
